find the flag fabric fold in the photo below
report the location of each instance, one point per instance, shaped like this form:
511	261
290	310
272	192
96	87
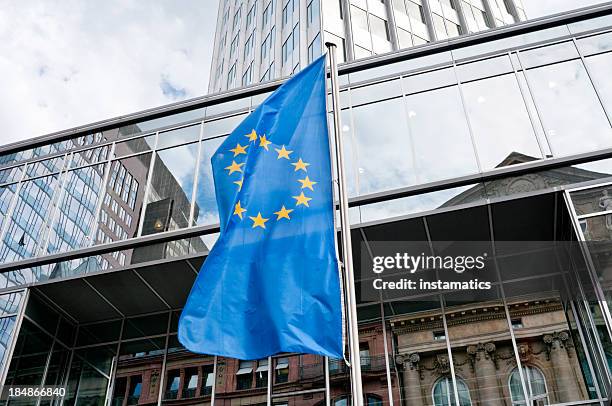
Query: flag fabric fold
270	284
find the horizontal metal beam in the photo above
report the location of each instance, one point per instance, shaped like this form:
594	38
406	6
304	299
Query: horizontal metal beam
362	64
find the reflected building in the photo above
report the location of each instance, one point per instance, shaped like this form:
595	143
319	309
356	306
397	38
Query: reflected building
502	138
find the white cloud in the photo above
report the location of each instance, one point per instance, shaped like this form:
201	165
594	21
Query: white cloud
71	62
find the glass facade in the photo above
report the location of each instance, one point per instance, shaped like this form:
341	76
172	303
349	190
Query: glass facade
103	233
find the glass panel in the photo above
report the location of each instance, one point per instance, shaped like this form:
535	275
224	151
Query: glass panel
500	122
188	375
237	379
99	332
155	324
75	217
7	326
452	152
222	126
595	44
379	91
9	303
90	156
548	54
139	370
30	355
538	305
382	141
25	230
599	69
573	118
592	200
429	80
11	174
44	167
224	107
297	372
178	136
86	385
206	212
134	145
423	202
170	193
122	202
6	197
484	68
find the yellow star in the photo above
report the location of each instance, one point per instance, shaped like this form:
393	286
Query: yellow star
301	199
239	183
283	213
239	149
283	153
307	183
252	136
259	221
234	167
238	210
300	165
263	142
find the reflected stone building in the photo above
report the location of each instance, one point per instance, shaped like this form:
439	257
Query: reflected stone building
502	138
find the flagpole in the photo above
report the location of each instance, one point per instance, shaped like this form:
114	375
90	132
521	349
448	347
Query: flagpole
347	253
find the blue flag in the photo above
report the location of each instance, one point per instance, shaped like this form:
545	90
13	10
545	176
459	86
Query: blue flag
270	284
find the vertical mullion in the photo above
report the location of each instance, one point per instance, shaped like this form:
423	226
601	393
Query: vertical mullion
145	196
162	378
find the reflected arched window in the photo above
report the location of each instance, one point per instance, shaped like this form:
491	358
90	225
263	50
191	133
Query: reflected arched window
343	401
536	386
443	393
373	400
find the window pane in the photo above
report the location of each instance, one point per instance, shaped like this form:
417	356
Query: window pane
178	136
169	197
206	212
383	146
499	121
76	213
573	118
25	230
441	144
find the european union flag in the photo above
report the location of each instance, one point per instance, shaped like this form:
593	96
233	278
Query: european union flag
271	284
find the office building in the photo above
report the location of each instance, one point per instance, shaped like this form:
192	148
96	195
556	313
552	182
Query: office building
502	137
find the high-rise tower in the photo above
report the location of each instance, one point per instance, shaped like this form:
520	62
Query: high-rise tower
260	40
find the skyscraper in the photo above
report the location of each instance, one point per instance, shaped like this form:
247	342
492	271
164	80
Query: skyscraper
261	40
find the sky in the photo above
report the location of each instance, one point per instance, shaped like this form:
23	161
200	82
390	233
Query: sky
72	62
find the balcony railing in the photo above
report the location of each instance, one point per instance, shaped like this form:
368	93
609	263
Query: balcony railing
374	363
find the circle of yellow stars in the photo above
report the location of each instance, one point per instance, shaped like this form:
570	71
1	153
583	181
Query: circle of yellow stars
260	141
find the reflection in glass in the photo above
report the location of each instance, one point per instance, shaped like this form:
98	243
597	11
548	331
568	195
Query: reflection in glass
384	158
170	193
500	122
206	211
76	211
573	118
451	154
599	69
24	234
179	136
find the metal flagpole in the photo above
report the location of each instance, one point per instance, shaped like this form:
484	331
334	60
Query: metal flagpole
347	253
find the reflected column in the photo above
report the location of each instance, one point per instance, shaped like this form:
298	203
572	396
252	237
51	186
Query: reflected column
483	362
412	379
560	351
